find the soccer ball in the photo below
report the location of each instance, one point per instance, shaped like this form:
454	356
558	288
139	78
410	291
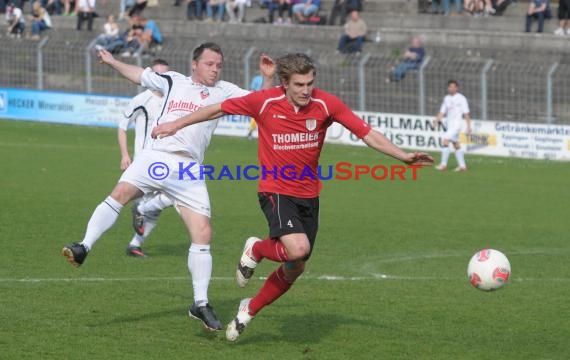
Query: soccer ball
489	270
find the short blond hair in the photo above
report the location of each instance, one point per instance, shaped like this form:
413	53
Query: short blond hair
294	64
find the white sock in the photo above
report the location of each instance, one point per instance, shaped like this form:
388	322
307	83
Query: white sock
154	204
444	155
200	266
149	224
460	156
102	219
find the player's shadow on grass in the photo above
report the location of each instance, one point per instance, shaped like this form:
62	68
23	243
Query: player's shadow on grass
304	328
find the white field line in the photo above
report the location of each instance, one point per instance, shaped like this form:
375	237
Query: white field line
329	278
369	277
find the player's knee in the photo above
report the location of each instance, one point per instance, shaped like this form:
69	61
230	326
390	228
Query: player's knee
299	250
202	234
122	193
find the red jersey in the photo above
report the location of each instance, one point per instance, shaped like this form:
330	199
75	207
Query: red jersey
290	140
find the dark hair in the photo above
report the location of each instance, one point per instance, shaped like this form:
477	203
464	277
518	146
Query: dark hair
159	62
453	82
210	46
294	64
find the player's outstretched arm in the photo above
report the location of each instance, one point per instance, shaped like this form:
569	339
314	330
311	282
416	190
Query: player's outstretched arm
381	143
206	113
131	72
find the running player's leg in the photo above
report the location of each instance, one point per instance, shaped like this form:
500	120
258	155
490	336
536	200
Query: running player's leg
193	204
101	220
298	248
292	215
131	185
200	265
283	219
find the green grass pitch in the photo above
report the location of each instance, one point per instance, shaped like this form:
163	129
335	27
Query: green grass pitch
419	234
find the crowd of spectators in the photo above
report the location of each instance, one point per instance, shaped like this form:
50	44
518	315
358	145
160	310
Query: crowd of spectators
469	7
39	20
141	33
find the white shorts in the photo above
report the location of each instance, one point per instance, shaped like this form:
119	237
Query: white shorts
154	170
452	133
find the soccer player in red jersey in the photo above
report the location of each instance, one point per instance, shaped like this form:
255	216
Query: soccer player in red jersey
292	122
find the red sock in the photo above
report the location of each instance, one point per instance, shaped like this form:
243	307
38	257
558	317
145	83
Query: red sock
270	249
275	286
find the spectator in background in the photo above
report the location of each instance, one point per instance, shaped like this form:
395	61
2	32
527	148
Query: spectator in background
138	7
536	10
342	8
193	9
355	31
442	6
303	11
563	16
501	5
15	20
125	7
281	6
236	5
217	6
40	20
110	32
68	7
479	7
85	10
52	6
151	35
412	60
128	42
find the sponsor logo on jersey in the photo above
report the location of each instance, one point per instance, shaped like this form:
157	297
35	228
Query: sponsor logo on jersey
279	117
180	105
204	93
311	124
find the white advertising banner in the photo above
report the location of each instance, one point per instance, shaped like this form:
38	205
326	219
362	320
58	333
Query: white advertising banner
496	138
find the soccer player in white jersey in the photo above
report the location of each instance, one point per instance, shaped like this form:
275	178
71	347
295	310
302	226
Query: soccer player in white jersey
182	96
456	109
143	110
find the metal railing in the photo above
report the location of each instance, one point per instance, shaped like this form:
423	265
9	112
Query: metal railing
496	89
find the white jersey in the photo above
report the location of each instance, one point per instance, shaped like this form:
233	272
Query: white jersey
143	110
182	96
454	107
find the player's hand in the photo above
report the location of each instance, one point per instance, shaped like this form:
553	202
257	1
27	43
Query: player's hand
267	66
435	122
419	158
125	162
105	57
164	130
